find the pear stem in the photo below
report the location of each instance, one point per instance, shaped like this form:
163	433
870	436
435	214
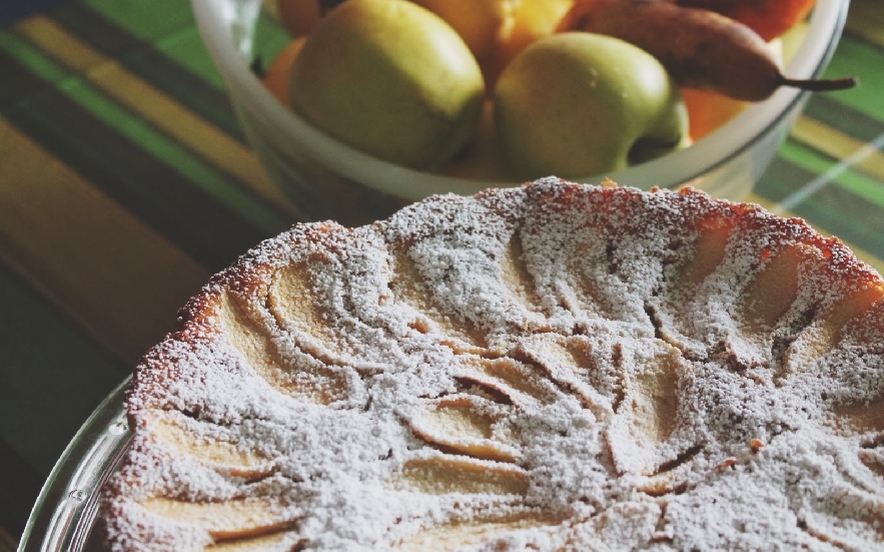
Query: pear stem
819	85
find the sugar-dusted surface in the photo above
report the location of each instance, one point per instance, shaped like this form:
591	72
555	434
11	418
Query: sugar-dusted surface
550	367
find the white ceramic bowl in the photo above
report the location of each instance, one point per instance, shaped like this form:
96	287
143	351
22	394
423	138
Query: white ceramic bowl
328	179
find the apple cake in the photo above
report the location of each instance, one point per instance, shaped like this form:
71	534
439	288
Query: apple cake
550	367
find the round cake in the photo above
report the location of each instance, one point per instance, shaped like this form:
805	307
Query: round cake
551	367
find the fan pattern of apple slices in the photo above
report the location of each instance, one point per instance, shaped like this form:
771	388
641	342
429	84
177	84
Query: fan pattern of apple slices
554	367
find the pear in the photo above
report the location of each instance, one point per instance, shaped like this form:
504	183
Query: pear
579	104
768	18
390	78
700	48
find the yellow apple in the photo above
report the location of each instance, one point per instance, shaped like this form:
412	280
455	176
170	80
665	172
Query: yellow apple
390	78
533	19
481	23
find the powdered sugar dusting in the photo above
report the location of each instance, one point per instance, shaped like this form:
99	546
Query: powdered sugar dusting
549	367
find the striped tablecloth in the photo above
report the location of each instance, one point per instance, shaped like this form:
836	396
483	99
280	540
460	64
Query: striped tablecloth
125	182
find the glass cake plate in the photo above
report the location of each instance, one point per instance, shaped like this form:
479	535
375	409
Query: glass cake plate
64	516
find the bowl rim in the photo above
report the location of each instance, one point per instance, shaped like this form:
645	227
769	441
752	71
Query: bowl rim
285	127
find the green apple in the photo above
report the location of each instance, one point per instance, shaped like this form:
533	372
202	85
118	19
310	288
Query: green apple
390	78
577	104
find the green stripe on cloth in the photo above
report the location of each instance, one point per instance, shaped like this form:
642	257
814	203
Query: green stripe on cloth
211	232
269	38
187	48
863	157
866	61
158	109
831	111
195	84
825	209
38	64
147	21
810	160
156	143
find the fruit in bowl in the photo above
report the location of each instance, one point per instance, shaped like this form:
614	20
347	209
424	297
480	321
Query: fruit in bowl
326	178
578	103
482	24
391	79
702	49
768	18
568	97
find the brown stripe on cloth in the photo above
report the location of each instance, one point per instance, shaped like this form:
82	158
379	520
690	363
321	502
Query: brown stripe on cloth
128	307
142	59
211	232
153	105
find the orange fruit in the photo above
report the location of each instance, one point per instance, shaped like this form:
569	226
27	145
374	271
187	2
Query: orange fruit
276	77
768	18
709	110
